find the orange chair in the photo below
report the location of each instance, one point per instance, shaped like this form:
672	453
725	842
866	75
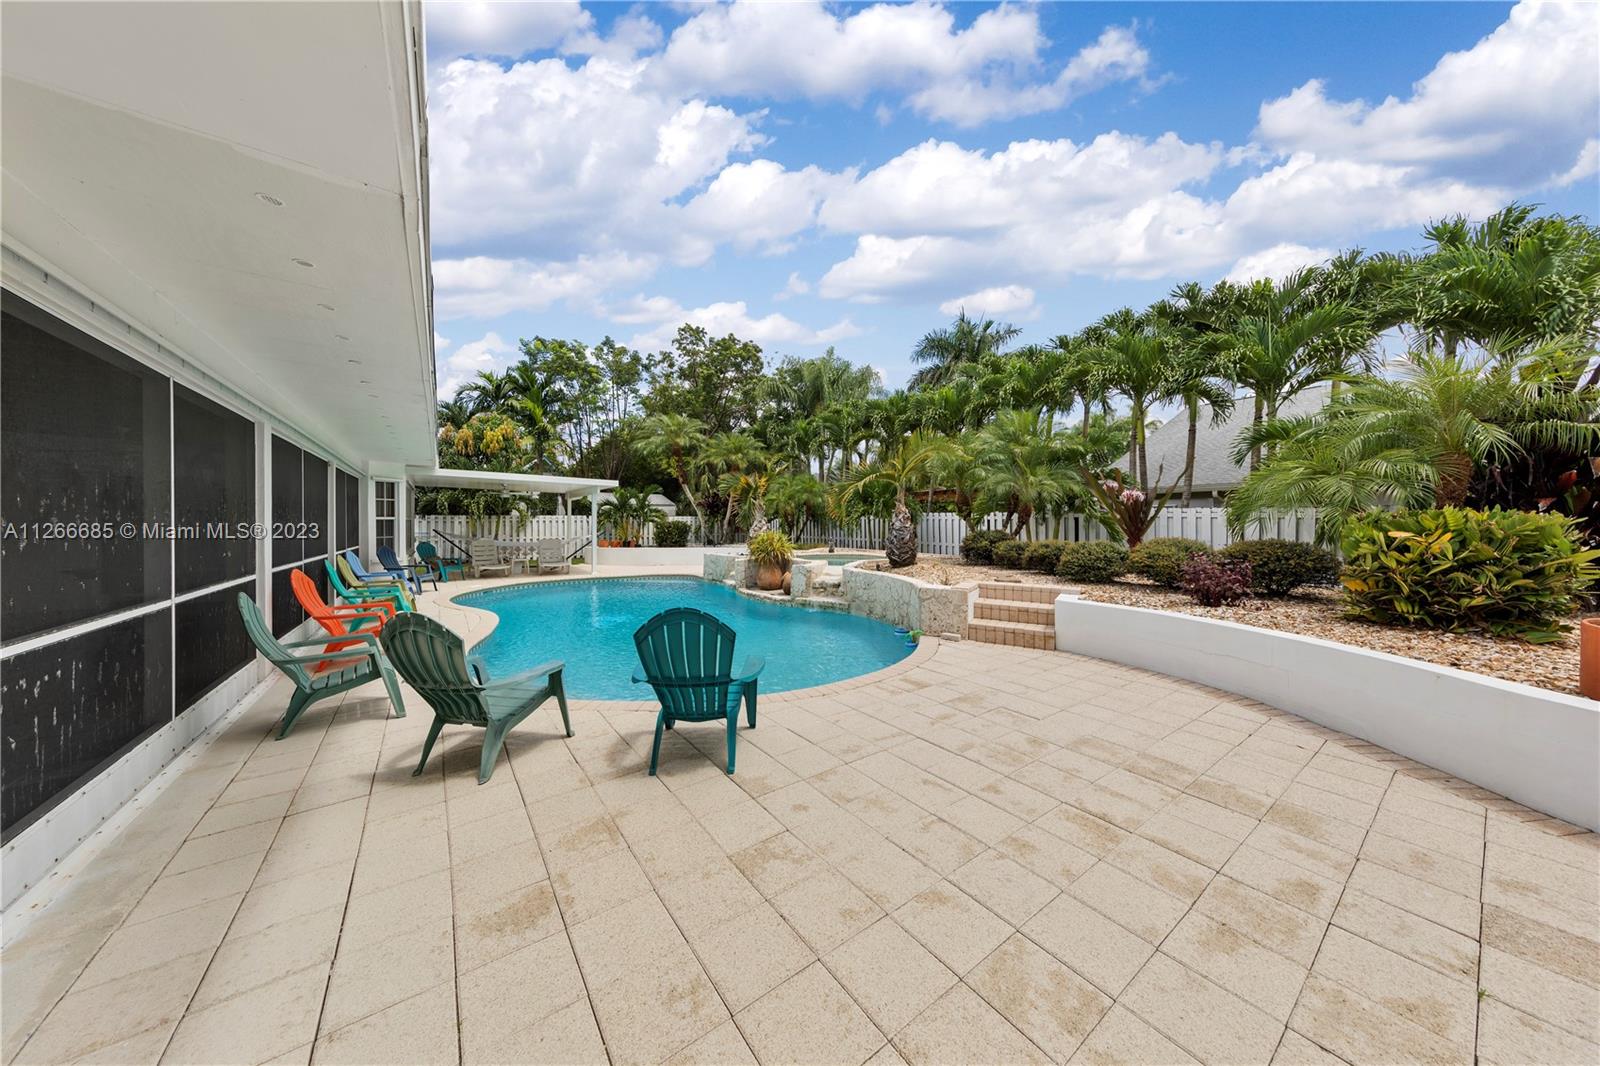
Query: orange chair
340	620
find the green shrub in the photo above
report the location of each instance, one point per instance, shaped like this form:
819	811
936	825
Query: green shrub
770	548
1041	555
1009	553
1278	567
672	533
1161	559
1510	573
978	547
1095	561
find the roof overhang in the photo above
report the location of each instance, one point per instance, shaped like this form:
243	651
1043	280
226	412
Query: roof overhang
247	184
528	484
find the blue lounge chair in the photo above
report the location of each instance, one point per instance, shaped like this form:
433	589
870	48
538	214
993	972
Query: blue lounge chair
350	592
686	656
413	575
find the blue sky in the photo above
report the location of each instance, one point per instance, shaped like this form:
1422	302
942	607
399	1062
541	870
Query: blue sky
806	175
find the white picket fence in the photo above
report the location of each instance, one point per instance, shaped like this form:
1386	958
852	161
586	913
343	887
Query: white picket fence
509	530
940	533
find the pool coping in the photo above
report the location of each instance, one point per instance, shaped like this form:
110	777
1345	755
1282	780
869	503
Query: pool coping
925	649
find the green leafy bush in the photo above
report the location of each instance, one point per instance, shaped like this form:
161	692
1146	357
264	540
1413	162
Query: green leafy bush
978	547
1095	561
672	533
771	548
1009	553
1510	573
1041	555
1161	559
1278	567
1213	581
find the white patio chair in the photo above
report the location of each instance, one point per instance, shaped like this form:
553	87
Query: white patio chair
485	558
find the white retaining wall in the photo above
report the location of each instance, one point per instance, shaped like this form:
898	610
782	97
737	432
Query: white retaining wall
1538	747
651	556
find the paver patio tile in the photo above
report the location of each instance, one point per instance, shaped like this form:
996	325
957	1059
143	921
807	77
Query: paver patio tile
1574	957
491	926
1436	868
1273	924
809	1019
1419	897
1047	1002
1195	842
252	839
981	819
420	1031
959	930
1311	822
179	892
1090	943
369	979
1302	851
1082	830
826	910
292	898
246	962
889	974
935	842
959	1027
724	1046
1004	886
738	826
1358	1030
1548	996
1508	1037
1123	799
1123	1039
750	953
1207	1020
137	1050
516	991
497	872
1176	875
580	842
1284	881
158	941
1445	1006
639	934
1135	905
1046	854
493	835
109	1013
221	819
1296	1050
254	1027
777	863
566	1037
1416	938
1223	955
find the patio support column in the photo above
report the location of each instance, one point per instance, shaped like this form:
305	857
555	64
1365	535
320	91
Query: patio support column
594	530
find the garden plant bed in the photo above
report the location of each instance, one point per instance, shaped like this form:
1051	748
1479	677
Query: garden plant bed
1312	613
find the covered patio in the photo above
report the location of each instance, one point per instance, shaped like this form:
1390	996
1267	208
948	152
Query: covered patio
564	525
981	854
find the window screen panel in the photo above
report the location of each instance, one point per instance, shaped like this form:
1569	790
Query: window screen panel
288	502
214	642
315	478
70	708
286	612
85	469
214	496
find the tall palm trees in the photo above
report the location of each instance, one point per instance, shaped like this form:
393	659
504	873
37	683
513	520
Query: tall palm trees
676	440
967	340
1134	362
903	467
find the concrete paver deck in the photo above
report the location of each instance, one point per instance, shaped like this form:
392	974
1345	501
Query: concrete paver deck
988	854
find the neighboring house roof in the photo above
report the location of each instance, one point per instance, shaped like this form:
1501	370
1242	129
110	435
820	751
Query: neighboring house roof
1214	468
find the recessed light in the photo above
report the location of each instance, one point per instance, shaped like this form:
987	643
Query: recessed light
356	362
302	262
268	198
363	381
326	307
340	337
373	395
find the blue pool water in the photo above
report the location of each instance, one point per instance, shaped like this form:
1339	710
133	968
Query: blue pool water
589	624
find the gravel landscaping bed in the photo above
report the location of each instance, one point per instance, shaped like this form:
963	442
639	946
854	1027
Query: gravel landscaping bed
1312	613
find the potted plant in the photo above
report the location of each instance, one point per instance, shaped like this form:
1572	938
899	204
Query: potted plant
771	552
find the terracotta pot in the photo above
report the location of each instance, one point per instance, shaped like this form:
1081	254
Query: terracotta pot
1589	658
769	577
787	579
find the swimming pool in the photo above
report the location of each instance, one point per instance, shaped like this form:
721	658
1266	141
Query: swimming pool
589	624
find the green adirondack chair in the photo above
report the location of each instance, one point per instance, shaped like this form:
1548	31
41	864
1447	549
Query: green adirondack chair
687	657
357	594
439	565
433	661
321	674
385	584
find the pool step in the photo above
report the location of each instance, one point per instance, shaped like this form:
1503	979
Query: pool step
1014	614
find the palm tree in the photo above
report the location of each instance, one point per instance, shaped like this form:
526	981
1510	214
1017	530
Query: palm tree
1199	375
904	466
674	439
729	454
1020	467
1418	438
967	340
795	499
488	392
453	413
1133	362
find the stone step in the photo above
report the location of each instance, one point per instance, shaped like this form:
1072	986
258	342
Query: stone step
1043	614
1013	634
827	603
1019	592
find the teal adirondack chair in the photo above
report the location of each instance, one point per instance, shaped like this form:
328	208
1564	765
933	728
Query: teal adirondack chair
354	594
433	661
687	657
321	674
430	558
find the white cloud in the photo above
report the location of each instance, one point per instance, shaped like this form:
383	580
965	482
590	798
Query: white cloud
760	204
795	286
986	303
440	342
1277	262
456	28
488	352
1586	166
719	319
484	287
